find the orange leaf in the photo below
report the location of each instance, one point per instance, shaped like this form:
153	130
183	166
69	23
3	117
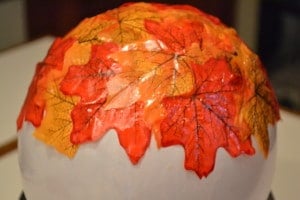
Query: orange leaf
123	25
34	104
56	126
177	35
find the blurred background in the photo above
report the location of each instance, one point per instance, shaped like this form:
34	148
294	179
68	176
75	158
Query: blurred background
269	27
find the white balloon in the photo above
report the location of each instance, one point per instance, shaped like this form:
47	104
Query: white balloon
102	170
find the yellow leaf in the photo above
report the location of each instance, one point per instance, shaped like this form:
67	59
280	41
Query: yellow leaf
56	126
77	54
149	77
123	25
261	108
57	123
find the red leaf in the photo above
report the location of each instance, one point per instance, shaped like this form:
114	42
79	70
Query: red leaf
90	118
89	81
177	36
135	139
205	121
34	104
91	122
56	53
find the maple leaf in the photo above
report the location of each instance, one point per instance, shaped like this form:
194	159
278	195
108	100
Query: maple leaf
262	109
158	67
123	25
89	80
90	120
148	78
136	138
182	76
57	124
34	104
177	35
259	106
205	121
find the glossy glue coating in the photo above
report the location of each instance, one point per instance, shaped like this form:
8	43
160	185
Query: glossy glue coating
159	76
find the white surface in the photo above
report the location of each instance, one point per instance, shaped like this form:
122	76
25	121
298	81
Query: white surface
286	183
18	64
101	170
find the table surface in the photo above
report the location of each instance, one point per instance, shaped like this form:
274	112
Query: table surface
17	67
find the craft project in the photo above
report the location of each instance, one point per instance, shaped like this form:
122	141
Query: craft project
148	101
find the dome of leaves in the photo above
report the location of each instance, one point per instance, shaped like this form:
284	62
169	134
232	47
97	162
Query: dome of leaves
152	70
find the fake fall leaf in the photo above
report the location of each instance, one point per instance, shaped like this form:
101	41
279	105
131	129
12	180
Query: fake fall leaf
259	110
172	35
34	104
204	121
57	124
151	69
150	76
122	26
